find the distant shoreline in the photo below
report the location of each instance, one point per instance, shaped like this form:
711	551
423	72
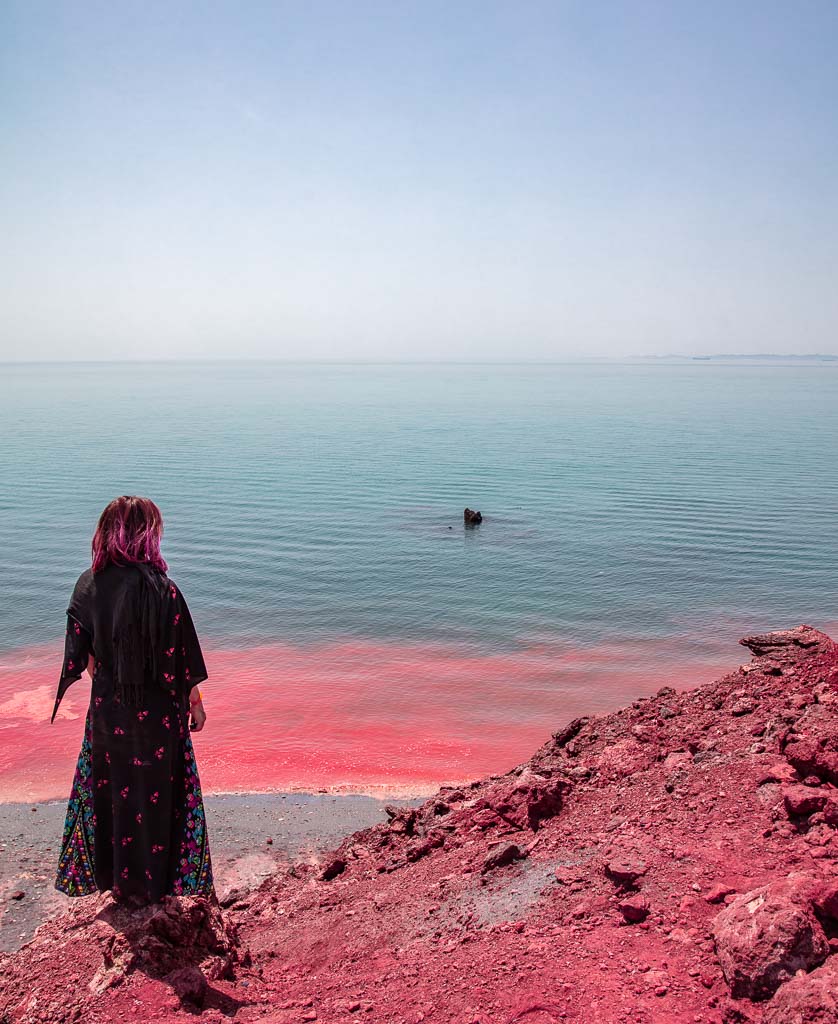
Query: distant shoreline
383	791
815	357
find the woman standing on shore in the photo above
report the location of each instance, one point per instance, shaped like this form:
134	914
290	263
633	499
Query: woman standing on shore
135	820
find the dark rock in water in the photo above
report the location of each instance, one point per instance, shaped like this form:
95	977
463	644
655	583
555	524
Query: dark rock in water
472	518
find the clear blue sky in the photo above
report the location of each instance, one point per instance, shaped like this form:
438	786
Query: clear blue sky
417	179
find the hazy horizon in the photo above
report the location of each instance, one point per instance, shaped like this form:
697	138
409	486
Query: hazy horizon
490	182
671	357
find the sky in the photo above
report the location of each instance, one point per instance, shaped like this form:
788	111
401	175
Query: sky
417	180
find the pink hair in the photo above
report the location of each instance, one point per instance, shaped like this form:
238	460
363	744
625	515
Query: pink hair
129	531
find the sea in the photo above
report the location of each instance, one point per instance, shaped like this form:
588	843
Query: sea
639	518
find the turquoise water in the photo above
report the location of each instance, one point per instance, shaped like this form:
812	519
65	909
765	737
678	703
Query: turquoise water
306	503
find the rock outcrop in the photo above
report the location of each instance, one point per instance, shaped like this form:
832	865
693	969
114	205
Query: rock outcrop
807	999
675	862
765	937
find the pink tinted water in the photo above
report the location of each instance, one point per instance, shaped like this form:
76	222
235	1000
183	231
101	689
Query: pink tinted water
373	717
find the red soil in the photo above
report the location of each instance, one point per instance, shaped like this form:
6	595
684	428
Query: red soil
632	833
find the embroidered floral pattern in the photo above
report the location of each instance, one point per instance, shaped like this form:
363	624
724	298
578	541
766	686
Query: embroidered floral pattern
75	864
194	870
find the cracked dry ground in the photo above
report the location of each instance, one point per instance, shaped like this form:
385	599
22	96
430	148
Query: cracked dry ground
676	861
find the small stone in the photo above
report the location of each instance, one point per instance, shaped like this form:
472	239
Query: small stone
626	871
781	772
634	909
486	818
583	908
502	854
717	893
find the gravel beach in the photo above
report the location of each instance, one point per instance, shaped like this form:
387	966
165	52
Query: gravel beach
250	835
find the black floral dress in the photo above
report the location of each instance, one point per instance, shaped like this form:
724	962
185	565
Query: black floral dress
135	820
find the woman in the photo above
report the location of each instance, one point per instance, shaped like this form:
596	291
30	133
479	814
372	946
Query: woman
135	821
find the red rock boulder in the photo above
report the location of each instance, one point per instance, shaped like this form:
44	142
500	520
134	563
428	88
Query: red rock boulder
524	801
808	999
813	757
805	800
824	897
811	746
764	937
786	646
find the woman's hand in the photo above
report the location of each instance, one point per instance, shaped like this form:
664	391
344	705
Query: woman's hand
198	717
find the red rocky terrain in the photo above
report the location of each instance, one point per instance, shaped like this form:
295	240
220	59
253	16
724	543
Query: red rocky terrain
676	861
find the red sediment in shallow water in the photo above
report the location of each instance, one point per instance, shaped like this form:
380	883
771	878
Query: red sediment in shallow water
354	715
674	862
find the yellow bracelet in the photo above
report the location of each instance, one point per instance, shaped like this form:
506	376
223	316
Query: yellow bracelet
192	703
